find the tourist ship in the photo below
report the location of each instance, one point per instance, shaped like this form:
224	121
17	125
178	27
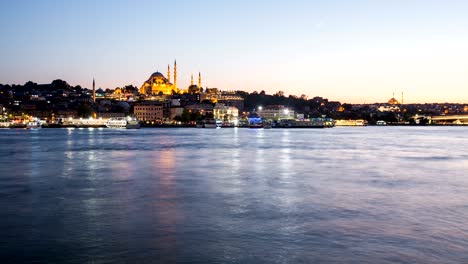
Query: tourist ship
132	123
381	123
117	122
33	125
359	122
212	123
200	124
4	124
292	123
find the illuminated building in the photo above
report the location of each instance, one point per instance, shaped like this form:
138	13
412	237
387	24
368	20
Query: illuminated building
149	111
158	84
195	89
393	101
203	109
211	94
275	112
231	98
223	112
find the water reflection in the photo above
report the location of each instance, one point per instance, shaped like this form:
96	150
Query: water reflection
234	195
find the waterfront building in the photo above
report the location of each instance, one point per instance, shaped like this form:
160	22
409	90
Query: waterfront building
388	108
210	94
149	111
176	111
110	115
226	113
203	109
231	98
275	112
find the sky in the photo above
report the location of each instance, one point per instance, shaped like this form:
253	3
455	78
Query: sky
353	51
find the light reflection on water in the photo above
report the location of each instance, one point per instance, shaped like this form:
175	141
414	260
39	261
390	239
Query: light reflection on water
345	195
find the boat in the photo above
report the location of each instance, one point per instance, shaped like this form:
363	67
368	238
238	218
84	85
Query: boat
4	124
255	121
292	123
256	125
200	124
267	124
132	123
359	122
381	123
33	125
212	123
117	122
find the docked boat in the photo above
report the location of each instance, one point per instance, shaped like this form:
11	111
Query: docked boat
212	123
117	122
200	124
267	124
133	123
381	123
4	124
33	125
256	125
292	123
255	121
359	122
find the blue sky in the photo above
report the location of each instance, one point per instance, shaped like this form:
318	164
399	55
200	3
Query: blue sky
352	51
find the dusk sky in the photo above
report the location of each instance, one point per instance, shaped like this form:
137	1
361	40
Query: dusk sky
351	51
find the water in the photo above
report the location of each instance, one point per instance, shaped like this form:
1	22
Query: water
341	195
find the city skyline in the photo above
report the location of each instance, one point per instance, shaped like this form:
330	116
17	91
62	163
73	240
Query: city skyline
360	52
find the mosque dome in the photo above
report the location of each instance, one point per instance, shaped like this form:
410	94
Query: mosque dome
157	75
393	101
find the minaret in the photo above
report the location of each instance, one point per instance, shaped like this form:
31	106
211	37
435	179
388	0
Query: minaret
402	97
175	74
199	80
94	91
168	73
191	80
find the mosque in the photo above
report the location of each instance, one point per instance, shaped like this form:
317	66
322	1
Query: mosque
159	84
394	101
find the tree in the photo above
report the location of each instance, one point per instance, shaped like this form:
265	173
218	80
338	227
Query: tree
279	94
84	110
60	84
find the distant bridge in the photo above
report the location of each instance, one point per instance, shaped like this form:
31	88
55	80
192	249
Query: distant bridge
443	119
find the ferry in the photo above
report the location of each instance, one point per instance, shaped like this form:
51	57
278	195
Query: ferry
267	124
291	123
359	122
4	124
132	123
381	123
255	122
256	125
33	125
200	124
212	123
117	122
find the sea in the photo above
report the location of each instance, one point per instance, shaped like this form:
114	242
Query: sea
234	195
